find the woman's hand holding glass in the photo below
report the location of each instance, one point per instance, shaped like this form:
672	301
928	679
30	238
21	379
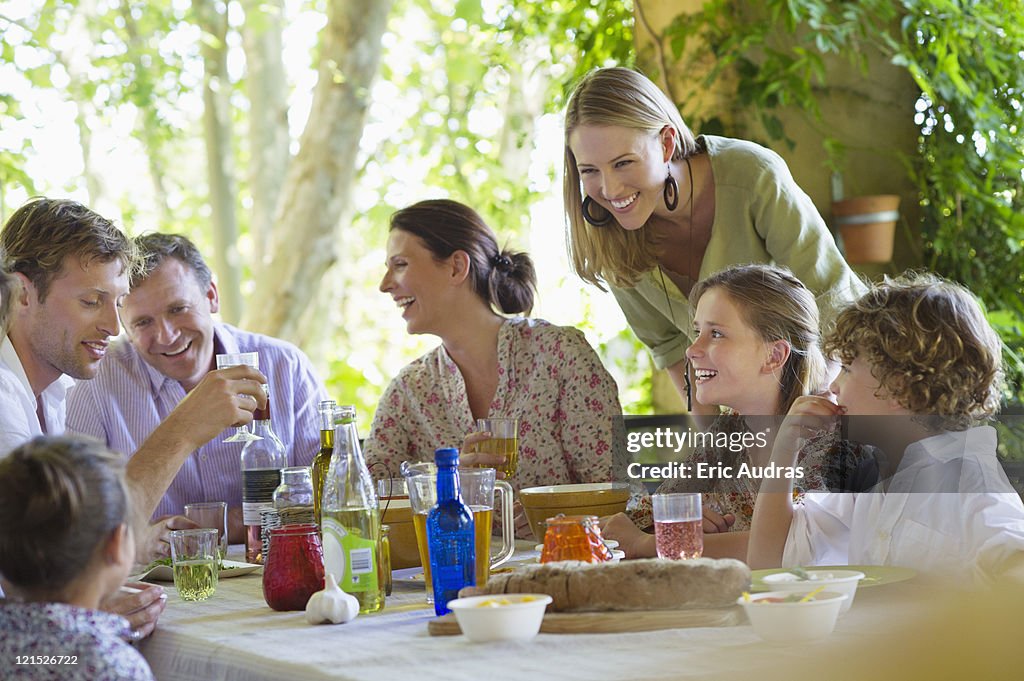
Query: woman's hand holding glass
471	457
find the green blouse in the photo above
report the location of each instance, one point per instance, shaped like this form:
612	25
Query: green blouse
761	216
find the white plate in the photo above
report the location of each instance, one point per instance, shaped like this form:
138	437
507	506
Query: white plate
164	573
874	575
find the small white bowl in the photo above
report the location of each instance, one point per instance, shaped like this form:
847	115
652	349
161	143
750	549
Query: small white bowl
500	617
840	581
794	621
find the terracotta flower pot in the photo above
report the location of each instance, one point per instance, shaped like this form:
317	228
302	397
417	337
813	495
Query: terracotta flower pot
867	225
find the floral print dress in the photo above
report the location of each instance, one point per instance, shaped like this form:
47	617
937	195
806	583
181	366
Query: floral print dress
548	376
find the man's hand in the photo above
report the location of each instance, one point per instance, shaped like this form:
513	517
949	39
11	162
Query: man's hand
224	398
156	540
141	604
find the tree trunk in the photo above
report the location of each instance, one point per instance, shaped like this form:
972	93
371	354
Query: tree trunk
268	116
523	106
317	188
213	21
75	60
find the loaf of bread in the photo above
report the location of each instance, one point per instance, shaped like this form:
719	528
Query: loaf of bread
649	584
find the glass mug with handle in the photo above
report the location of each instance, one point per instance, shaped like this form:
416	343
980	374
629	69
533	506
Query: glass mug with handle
477	486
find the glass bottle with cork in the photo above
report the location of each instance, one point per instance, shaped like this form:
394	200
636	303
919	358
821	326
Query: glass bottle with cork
322	460
450	534
350	519
262	461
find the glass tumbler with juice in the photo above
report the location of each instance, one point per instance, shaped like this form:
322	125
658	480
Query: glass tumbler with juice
195	562
678	525
504	441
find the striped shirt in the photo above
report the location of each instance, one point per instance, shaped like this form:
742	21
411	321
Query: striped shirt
129	398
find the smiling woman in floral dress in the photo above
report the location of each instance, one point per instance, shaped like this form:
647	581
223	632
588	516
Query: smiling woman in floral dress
448	276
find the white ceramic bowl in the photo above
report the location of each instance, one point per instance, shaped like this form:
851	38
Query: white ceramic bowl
839	581
500	617
805	621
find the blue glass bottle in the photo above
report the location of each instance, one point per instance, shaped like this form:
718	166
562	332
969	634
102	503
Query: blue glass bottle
450	535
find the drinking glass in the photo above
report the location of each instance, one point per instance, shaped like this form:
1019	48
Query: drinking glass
250	359
211	514
504	440
678	525
194	560
477	487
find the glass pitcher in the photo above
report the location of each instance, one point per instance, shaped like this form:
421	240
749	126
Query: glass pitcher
477	486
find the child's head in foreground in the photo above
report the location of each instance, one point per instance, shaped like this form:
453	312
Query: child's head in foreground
917	345
64	520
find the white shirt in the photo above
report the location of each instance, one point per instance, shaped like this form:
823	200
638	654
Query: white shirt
964	531
18	420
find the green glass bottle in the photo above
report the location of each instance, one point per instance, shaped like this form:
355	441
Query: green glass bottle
322	460
350	519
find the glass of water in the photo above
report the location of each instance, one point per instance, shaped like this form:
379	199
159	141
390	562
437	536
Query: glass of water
251	359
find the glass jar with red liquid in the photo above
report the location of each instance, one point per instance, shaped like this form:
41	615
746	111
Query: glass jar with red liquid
574	537
294	568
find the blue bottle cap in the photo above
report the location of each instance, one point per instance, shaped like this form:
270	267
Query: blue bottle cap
446	456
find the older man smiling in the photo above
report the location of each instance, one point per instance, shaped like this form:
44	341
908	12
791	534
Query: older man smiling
170	347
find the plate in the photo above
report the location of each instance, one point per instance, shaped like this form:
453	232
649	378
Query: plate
164	573
413	575
874	575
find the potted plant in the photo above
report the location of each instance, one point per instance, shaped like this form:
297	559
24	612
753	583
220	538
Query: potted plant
867	226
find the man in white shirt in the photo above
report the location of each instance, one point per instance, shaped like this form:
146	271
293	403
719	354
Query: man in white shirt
71	269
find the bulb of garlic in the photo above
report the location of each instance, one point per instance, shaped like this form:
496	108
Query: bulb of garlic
331	605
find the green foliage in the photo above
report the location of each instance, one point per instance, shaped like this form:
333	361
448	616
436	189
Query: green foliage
966	58
967	61
482	76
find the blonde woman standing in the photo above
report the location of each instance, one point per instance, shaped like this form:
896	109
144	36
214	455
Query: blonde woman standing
652	210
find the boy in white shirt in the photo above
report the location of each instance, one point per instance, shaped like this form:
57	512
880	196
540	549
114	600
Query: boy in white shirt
917	351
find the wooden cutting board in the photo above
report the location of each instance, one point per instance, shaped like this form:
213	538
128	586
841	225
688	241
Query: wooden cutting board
612	622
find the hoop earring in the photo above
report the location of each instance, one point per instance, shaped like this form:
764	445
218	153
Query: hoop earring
671	193
589	217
